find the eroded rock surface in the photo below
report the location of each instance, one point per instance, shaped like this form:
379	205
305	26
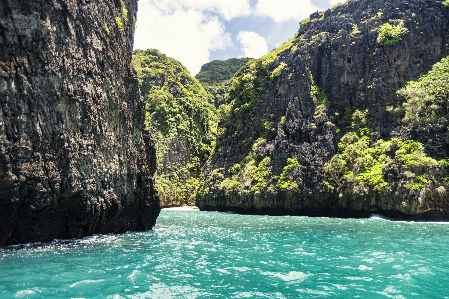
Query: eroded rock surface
74	156
289	110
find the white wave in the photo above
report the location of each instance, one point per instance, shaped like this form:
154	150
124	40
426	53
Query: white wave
85	281
364	268
357	278
379	217
293	276
23	293
223	271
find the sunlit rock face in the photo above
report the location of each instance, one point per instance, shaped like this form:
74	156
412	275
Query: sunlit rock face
74	157
290	109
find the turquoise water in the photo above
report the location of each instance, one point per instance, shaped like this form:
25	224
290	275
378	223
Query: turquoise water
192	254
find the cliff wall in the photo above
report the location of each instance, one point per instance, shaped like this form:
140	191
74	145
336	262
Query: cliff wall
289	111
180	113
74	156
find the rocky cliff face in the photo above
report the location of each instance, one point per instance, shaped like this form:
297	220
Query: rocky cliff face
180	113
74	157
337	78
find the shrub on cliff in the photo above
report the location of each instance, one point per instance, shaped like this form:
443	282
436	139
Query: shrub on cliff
426	100
391	35
363	162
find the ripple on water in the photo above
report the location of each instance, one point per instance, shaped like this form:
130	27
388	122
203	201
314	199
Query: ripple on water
293	277
86	281
219	255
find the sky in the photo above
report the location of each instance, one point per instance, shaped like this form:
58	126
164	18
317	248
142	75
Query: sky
195	32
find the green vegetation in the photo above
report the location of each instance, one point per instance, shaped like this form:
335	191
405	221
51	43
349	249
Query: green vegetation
216	77
289	175
427	100
319	99
106	28
254	174
124	10
446	3
260	174
335	6
362	162
391	35
251	81
180	113
219	92
355	30
217	71
246	87
125	13
118	22
278	70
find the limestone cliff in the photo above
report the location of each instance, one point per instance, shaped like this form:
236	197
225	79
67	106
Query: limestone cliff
74	157
180	113
315	127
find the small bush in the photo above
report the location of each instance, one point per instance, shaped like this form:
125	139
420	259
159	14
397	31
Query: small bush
260	174
426	104
287	178
391	35
355	30
119	23
419	183
278	70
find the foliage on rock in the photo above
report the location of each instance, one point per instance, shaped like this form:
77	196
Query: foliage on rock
316	91
390	34
216	77
427	99
180	113
360	161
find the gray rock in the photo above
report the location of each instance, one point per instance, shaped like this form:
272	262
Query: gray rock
75	159
339	49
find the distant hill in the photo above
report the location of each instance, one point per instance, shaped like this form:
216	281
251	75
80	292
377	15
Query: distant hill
218	71
216	77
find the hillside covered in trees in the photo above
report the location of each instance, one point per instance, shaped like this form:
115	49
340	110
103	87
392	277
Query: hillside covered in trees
181	115
216	77
347	118
217	71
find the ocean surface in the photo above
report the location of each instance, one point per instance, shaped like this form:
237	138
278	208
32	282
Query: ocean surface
193	254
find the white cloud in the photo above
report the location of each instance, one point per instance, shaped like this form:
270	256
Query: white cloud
253	45
189	30
283	10
186	34
229	9
333	2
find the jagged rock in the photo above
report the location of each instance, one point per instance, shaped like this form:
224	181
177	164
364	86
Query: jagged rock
275	112
74	157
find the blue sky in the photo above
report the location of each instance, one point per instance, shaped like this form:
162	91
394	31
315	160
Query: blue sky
197	31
